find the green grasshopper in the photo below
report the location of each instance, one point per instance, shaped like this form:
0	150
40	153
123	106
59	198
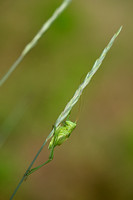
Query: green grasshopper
61	134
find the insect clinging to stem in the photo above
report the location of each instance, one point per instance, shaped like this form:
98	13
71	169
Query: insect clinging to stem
61	134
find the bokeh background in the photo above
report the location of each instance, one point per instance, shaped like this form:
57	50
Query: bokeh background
97	161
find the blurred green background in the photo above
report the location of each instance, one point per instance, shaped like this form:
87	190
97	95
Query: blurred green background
97	161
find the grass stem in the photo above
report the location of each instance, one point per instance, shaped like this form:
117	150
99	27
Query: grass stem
34	41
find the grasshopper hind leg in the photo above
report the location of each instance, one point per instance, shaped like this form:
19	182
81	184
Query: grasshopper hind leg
36	168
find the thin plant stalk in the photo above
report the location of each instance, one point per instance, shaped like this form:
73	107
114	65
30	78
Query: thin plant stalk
34	41
71	103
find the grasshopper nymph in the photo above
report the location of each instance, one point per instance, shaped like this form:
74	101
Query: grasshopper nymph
61	134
